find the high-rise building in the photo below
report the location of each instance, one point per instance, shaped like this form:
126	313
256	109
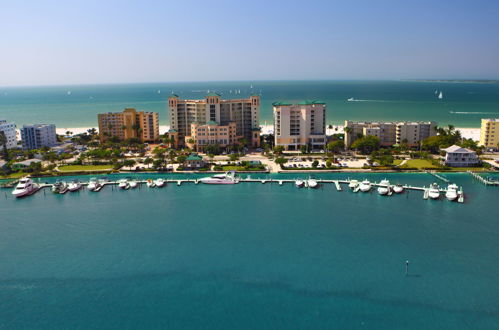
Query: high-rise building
129	124
211	134
302	124
489	133
9	130
38	136
245	113
390	133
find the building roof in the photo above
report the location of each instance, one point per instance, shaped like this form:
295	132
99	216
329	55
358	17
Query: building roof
212	123
173	95
310	102
254	94
278	104
171	130
192	157
28	162
213	94
458	149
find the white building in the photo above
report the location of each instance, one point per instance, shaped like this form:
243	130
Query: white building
9	129
39	135
460	157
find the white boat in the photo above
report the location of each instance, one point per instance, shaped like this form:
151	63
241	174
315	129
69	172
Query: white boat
92	184
159	182
133	184
353	184
123	184
74	186
299	183
441	95
312	183
384	187
60	187
365	186
226	178
150	183
434	192
451	193
25	187
398	188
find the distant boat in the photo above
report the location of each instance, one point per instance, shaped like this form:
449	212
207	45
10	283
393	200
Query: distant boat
69	93
251	86
351	99
436	92
159	91
441	95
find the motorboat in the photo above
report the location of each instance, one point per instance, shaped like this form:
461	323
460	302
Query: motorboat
312	183
25	187
133	184
398	188
92	184
434	191
353	184
451	193
384	187
60	187
299	183
123	184
150	183
365	186
74	186
226	178
159	182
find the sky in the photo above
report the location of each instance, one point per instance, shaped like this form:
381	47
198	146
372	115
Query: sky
83	42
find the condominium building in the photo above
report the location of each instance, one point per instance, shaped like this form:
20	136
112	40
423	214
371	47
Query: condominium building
211	134
302	124
38	136
129	124
245	113
390	133
9	130
489	133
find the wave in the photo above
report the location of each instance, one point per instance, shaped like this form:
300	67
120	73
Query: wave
357	100
473	113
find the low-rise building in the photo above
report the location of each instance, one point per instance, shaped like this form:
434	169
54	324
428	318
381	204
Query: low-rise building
457	156
212	133
38	136
489	133
9	130
129	124
194	161
390	133
302	124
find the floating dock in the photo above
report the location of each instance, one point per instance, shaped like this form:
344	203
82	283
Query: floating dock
483	180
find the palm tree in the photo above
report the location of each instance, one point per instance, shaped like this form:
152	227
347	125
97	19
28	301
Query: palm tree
3	143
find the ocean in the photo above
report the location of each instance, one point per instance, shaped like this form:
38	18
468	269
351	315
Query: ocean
462	104
250	256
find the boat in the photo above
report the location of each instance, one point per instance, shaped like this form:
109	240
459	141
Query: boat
159	182
226	178
60	187
312	183
150	183
441	95
384	187
398	188
299	183
25	187
133	184
123	184
351	99
353	184
365	186
434	191
92	184
74	186
451	193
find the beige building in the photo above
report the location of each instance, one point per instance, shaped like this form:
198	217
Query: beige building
302	124
489	133
390	133
211	134
245	113
129	124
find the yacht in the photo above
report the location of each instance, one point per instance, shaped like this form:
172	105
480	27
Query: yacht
150	183
312	183
384	187
226	178
434	192
365	186
25	187
353	184
159	182
60	187
398	188
123	184
451	193
133	184
299	183
74	186
92	184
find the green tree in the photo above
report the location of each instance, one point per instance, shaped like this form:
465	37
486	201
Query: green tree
233	157
366	144
304	149
315	163
335	146
281	161
3	143
278	150
128	163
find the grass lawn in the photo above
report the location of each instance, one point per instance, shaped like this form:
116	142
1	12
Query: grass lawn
397	161
419	163
79	168
13	175
241	168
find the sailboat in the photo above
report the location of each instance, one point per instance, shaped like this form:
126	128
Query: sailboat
441	95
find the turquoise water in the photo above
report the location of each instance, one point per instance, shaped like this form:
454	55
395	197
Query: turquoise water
250	256
463	104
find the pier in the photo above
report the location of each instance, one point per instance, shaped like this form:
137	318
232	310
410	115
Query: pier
438	176
483	180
